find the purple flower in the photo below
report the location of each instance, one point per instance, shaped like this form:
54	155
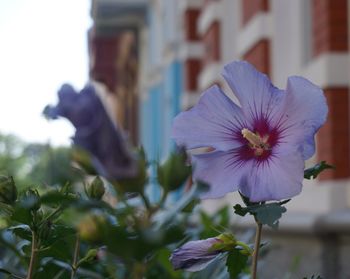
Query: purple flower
95	132
259	147
195	255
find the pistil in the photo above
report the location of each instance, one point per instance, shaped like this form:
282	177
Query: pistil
256	142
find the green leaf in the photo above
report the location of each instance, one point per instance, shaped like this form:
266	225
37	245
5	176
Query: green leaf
239	210
22	215
55	198
22	231
193	194
236	263
265	213
269	214
312	173
190	206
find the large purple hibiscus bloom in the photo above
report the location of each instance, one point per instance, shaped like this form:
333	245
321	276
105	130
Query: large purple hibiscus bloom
259	147
95	131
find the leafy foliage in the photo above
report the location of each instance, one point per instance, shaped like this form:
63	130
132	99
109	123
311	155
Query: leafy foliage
94	229
75	224
236	263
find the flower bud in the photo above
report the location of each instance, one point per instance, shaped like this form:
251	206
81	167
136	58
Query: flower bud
195	255
96	189
31	199
90	256
8	190
174	172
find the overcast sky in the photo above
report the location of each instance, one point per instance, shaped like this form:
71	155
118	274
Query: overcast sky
43	43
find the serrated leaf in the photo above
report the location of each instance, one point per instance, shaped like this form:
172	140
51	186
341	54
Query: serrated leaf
239	210
266	214
269	214
313	172
236	263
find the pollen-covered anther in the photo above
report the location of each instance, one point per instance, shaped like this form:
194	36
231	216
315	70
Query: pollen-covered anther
256	142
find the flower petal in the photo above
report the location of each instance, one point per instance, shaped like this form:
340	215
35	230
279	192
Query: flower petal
280	177
214	122
95	132
305	111
223	171
257	96
194	255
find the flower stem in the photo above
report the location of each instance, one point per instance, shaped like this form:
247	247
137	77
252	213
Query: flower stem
256	249
75	257
146	201
32	256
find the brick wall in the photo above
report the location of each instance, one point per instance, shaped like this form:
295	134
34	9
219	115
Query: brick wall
329	34
103	51
211	40
190	24
192	65
259	56
192	69
252	7
329	26
333	137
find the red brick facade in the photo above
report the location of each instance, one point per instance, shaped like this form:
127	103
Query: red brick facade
103	53
190	25
333	137
259	56
330	34
211	40
252	7
192	69
192	65
329	26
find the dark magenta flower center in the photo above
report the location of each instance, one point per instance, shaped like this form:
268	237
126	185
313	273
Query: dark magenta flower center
258	142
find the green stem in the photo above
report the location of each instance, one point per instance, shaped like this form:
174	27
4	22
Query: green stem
75	257
146	201
53	213
32	256
256	249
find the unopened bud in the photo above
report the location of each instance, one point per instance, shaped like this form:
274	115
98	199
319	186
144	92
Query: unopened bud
174	172
31	199
96	189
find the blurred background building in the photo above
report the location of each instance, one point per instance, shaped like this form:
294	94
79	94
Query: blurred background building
155	57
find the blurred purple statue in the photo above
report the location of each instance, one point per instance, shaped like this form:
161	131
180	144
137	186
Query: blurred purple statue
95	131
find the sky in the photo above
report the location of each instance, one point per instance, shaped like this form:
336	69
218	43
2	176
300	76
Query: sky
43	44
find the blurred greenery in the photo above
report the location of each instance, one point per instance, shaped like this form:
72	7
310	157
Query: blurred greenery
34	164
66	222
59	220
